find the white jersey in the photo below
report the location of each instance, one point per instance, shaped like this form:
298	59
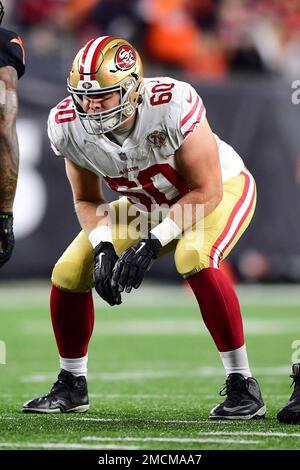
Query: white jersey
143	168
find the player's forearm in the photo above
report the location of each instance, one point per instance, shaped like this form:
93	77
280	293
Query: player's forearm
9	167
194	206
92	214
187	212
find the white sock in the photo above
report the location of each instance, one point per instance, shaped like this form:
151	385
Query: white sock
236	361
76	366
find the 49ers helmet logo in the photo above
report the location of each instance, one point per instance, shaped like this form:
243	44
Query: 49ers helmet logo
125	58
87	85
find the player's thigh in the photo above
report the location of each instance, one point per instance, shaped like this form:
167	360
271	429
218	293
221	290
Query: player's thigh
214	237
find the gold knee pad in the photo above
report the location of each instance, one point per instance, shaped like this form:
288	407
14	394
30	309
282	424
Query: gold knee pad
189	258
74	270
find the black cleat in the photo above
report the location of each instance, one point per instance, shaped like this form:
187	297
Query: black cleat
290	413
69	393
244	400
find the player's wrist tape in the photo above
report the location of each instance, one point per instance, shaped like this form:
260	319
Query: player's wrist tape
166	231
100	234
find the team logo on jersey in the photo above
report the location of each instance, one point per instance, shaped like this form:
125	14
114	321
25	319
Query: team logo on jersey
125	58
87	85
157	138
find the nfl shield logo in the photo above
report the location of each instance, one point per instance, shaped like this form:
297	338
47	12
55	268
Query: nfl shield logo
123	156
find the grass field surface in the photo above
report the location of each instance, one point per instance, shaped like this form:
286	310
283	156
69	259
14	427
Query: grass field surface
154	372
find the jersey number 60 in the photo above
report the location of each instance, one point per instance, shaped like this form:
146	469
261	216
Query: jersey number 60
161	93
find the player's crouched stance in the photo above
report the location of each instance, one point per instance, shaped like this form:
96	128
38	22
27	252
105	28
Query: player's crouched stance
150	141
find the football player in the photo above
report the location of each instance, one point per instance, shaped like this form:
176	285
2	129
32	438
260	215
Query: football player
149	140
12	65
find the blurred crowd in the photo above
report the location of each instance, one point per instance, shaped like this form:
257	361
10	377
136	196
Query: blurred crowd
205	39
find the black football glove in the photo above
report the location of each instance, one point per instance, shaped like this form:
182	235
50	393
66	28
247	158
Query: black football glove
133	264
7	239
105	258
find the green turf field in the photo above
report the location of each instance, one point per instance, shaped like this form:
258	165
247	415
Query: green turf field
154	373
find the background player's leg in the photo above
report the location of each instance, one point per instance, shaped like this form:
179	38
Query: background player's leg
290	413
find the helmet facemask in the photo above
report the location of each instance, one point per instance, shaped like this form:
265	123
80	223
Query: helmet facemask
105	121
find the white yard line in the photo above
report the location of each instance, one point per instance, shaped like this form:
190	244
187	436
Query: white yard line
154	421
136	396
177	440
165	327
145	396
36	294
57	445
148	396
250	433
63	445
199	372
79	419
112	376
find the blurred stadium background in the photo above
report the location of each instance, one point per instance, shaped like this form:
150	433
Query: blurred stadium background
243	57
